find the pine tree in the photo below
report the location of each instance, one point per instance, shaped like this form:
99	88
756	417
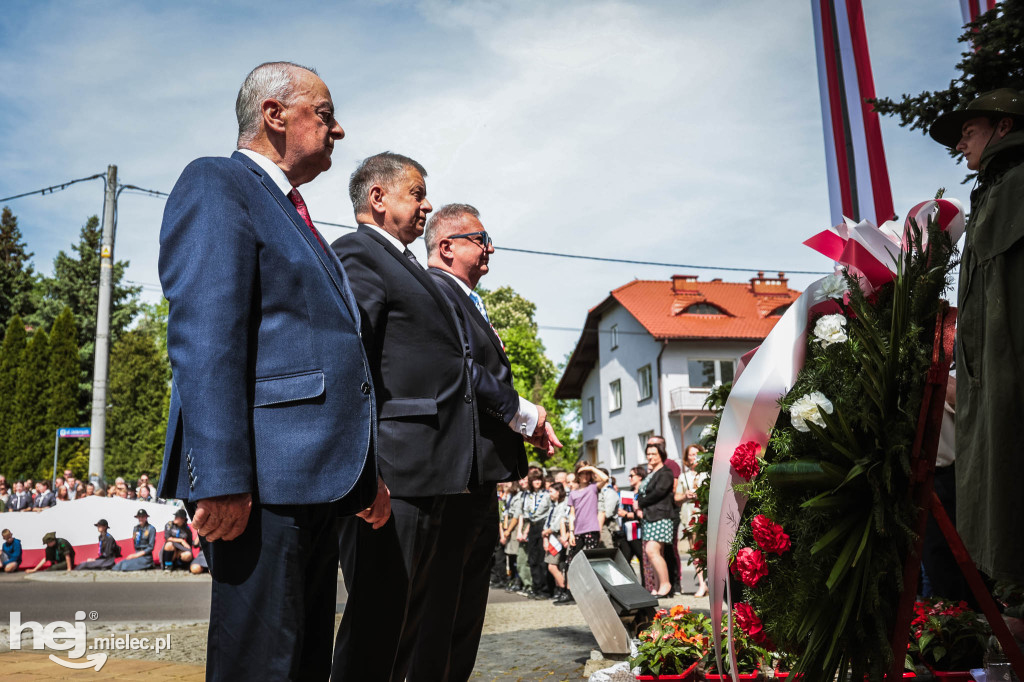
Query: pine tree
10	360
62	409
17	279
136	420
75	284
994	58
30	444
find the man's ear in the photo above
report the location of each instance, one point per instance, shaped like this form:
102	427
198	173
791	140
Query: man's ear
273	115
444	248
376	198
1004	127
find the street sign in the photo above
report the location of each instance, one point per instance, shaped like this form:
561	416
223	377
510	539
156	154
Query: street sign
75	432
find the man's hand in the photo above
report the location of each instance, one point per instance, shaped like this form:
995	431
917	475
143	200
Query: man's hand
222	518
542	420
378	513
547	441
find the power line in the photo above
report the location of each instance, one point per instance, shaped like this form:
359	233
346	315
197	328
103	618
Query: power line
554	254
54	188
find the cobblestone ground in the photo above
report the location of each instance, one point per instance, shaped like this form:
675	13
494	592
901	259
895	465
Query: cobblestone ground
522	641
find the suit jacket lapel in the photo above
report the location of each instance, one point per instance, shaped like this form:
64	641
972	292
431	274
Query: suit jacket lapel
326	257
419	273
474	313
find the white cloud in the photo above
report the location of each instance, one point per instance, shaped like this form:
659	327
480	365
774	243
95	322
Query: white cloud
678	132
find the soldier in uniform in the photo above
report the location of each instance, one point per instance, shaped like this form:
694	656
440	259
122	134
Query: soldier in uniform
60	555
144	541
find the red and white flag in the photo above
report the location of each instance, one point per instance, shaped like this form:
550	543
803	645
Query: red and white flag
858	179
972	9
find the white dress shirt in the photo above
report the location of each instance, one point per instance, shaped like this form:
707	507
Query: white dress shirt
525	421
394	241
271	169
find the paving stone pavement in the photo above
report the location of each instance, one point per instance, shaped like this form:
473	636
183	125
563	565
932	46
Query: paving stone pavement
522	641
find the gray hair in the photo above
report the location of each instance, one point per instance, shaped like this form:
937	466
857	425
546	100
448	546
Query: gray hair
444	222
382	169
270	80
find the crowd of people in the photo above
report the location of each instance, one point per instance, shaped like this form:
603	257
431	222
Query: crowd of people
180	549
546	519
27	495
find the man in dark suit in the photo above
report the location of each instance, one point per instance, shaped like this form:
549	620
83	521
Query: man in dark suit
459	253
427	418
270	383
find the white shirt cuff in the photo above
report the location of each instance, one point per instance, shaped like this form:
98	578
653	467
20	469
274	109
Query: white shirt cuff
525	421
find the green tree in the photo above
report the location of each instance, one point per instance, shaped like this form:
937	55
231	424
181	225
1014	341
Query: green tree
75	284
17	278
535	376
994	59
137	418
10	360
30	443
62	409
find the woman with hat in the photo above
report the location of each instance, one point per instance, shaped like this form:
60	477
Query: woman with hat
144	541
178	542
108	551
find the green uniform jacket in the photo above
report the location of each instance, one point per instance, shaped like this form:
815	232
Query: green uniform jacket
990	367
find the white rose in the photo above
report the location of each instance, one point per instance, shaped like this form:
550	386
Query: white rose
834	286
829	330
808	409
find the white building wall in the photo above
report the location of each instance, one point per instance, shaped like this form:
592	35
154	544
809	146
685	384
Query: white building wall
635	349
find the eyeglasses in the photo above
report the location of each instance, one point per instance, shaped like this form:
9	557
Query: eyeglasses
484	241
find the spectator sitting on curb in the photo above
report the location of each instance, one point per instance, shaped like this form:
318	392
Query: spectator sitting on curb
178	548
144	538
45	497
60	555
108	551
198	564
10	555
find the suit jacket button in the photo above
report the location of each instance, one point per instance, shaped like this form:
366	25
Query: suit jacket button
365	388
469	397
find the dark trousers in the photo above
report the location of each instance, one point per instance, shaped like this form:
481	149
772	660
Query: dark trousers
387	575
535	557
449	635
274	593
943	572
629	548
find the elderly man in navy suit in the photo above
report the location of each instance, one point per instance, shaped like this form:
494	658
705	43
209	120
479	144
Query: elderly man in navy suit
272	419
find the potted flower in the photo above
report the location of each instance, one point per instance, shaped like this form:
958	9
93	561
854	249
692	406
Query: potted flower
752	656
672	646
949	638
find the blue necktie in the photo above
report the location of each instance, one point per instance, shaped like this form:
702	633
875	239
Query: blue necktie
479	303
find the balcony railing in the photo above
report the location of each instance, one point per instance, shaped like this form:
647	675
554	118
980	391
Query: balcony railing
688	398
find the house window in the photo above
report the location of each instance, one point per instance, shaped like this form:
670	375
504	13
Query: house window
642	440
591	416
643	382
615	395
615	336
709	373
618	453
704	309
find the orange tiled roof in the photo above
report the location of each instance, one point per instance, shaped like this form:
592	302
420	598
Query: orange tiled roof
660	306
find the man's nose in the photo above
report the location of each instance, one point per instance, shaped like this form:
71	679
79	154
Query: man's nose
337	132
427	208
489	248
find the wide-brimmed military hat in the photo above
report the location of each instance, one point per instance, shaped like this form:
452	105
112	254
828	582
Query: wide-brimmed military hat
142	512
948	127
49	537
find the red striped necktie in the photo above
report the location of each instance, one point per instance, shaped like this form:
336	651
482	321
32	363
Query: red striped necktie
300	206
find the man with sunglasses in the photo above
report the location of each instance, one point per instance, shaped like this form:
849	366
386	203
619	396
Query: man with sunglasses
459	251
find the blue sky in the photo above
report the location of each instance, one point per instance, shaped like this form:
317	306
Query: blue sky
679	131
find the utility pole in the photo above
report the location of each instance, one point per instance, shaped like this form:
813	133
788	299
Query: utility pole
97	441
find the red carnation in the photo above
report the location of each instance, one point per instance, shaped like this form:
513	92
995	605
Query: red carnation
748	621
744	459
697	544
749	566
769	535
